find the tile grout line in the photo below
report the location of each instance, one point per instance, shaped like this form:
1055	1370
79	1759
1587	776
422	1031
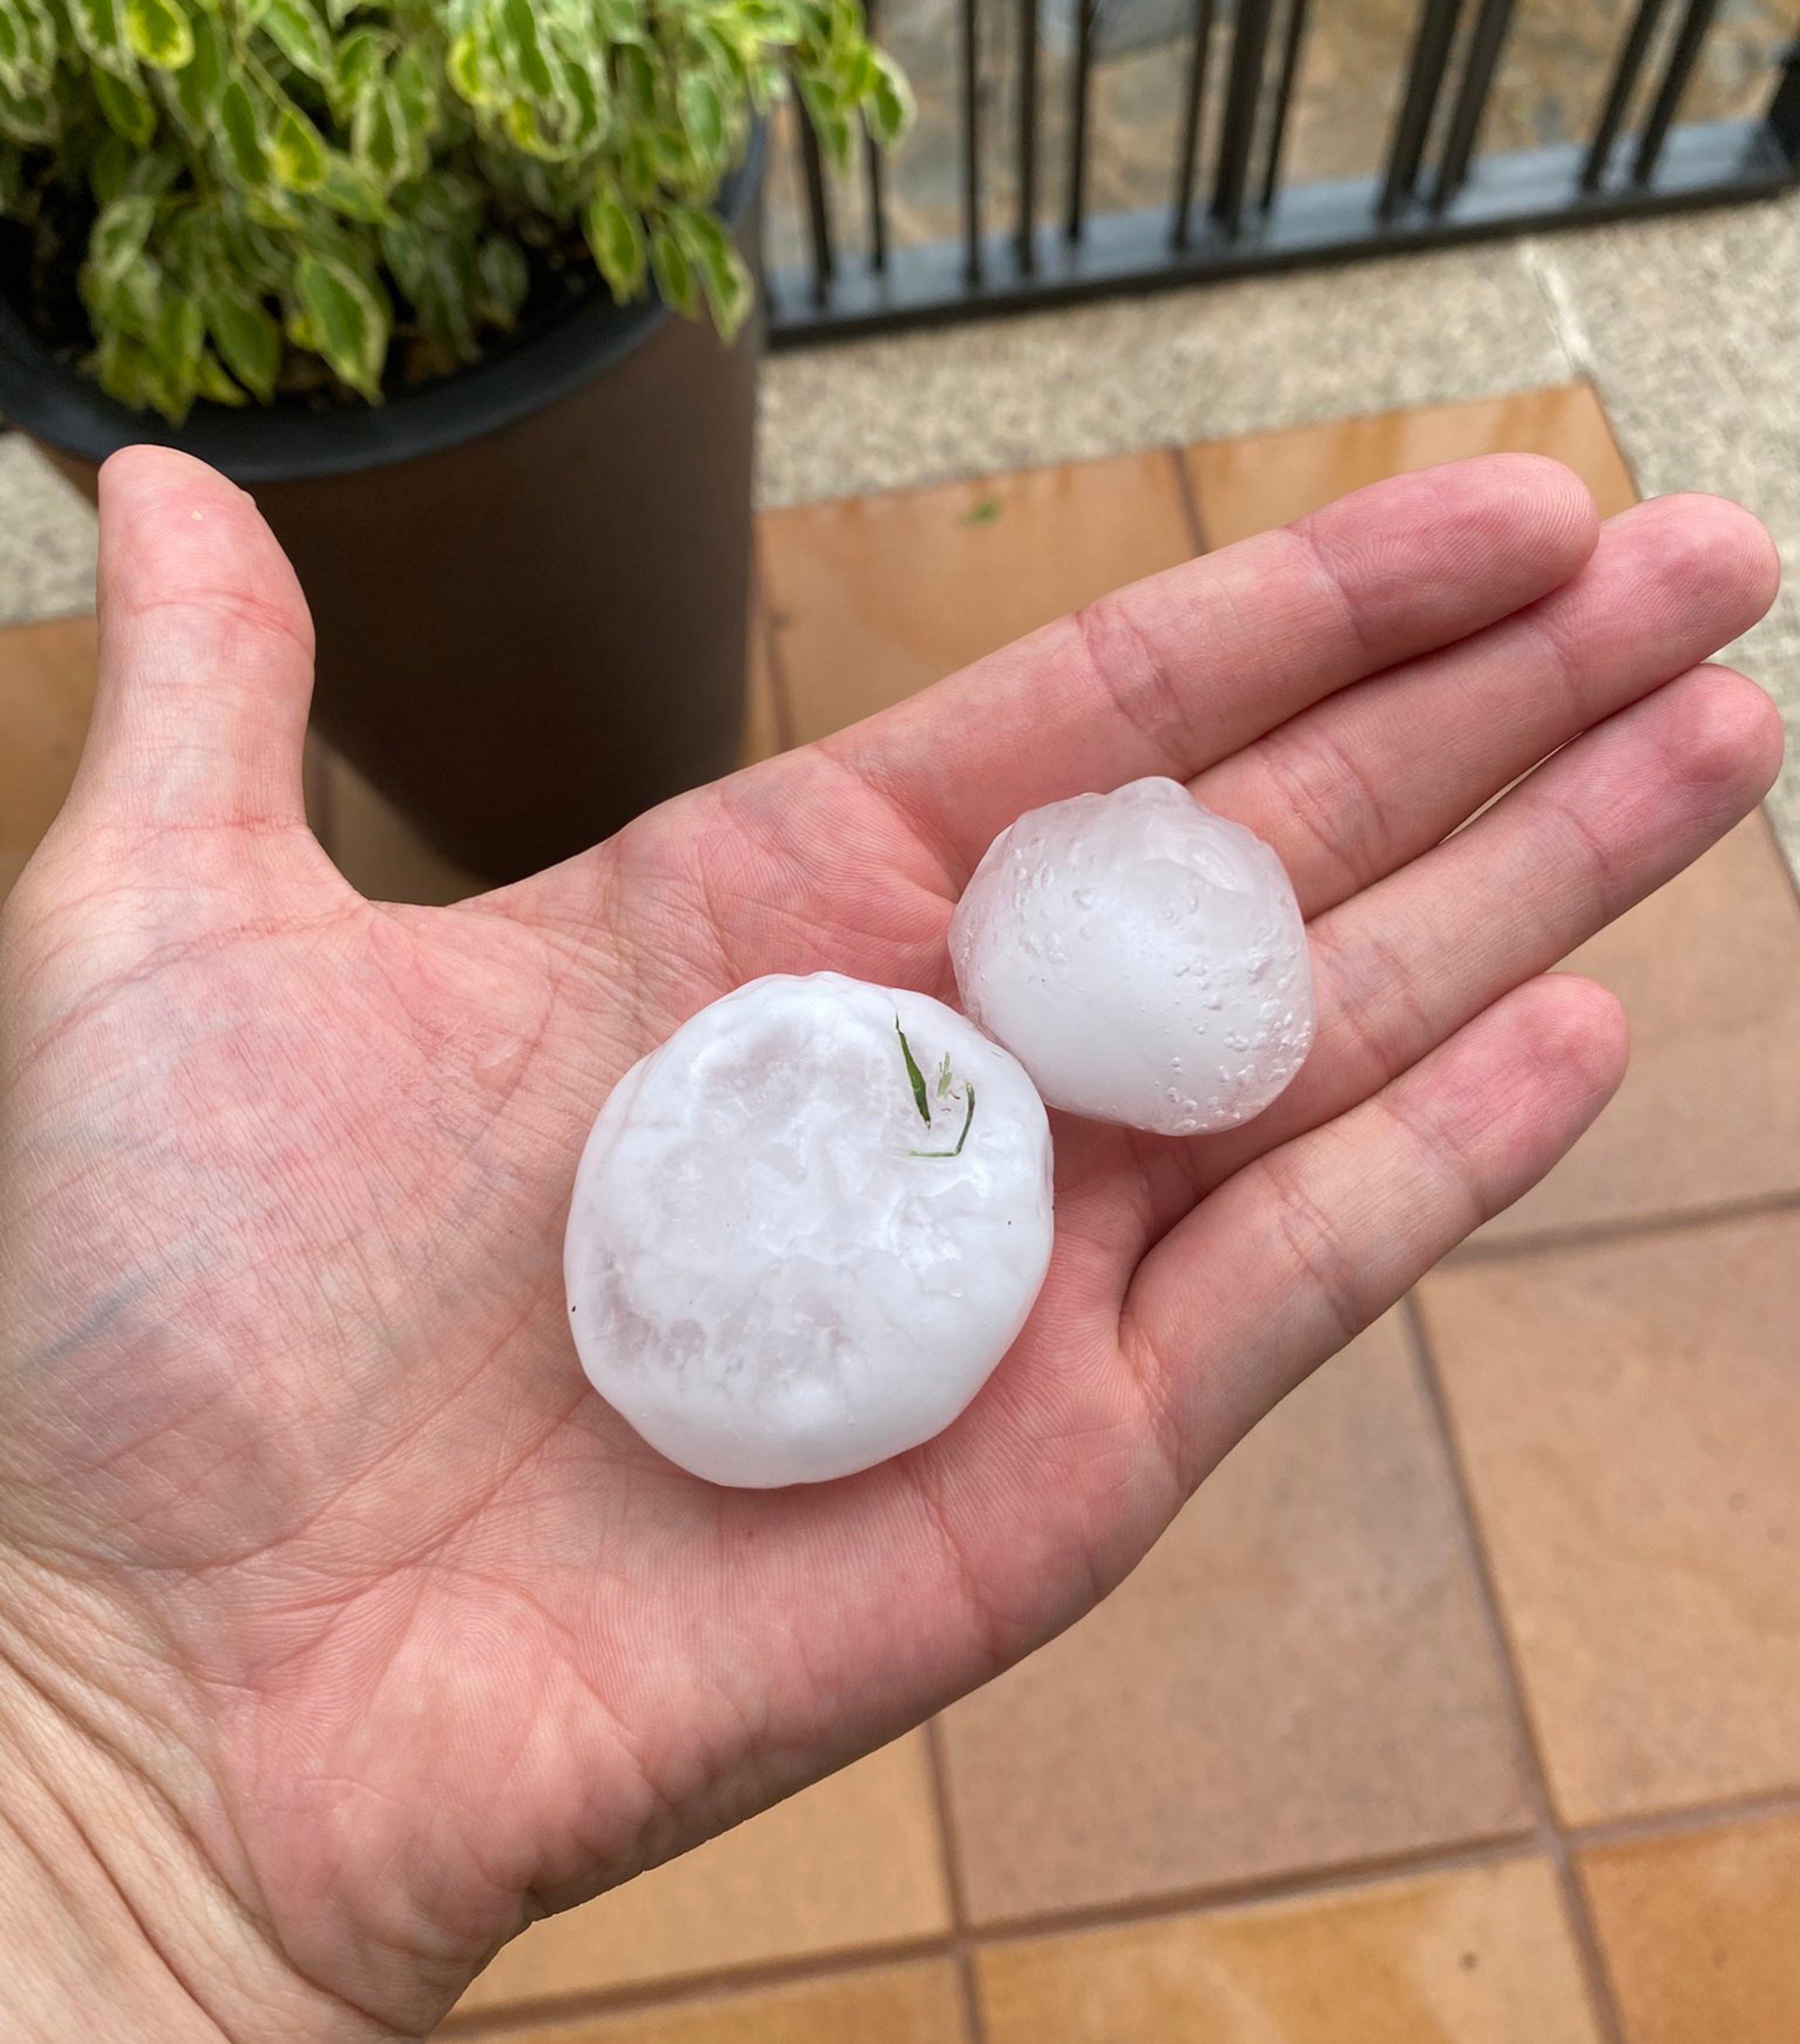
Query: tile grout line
1549	1838
1297	1884
762	624
1190	499
959	1951
1654	1826
1301	1884
526	2018
1601	1234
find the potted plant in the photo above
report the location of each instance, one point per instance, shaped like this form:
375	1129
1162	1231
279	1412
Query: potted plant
408	268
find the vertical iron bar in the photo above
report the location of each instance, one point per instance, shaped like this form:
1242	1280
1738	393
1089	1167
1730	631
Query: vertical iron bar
1284	98
1028	135
1784	109
971	145
1636	48
1078	118
873	167
1490	27
1243	94
1437	31
1191	121
1692	33
818	207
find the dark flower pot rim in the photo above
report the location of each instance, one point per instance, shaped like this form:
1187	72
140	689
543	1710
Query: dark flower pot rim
54	402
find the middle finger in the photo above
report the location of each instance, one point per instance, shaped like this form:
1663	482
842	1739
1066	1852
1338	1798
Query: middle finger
1351	789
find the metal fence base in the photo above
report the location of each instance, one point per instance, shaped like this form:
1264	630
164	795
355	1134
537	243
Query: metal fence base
1699	165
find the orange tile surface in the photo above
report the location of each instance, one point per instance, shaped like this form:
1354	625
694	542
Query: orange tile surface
1299	1675
46	692
856	1860
1629	1417
1479	1957
1709	971
1701	1933
1267	479
911	2004
873	598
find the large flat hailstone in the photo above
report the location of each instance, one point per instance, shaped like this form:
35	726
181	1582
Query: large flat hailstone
806	1228
1144	959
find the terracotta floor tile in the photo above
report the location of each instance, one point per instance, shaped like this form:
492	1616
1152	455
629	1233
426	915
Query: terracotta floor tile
855	1861
1629	1415
1699	1934
874	597
1482	1956
1299	1675
911	2004
46	692
1709	971
1266	479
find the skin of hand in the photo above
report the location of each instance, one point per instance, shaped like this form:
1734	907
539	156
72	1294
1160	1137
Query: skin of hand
343	1629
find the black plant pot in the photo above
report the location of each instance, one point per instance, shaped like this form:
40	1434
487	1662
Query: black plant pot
529	581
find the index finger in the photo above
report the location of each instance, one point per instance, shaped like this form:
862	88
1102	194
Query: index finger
1177	672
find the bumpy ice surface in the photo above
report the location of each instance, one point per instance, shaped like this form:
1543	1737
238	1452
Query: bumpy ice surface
764	1278
1144	959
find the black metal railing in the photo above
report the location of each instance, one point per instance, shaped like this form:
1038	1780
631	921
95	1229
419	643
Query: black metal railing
1231	210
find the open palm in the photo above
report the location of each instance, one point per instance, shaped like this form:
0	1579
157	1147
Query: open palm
308	1522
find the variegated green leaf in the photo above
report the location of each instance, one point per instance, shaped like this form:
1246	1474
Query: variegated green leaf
378	141
702	116
346	321
348	189
158	33
297	151
28	45
298	34
99	28
181	334
30	117
118	236
506	279
211	382
889	109
420	96
514	27
674	275
246	335
467	71
357	68
126	107
615	236
241	133
198	85
724	276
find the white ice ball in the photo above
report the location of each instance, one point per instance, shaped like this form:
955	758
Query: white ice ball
779	1269
1144	959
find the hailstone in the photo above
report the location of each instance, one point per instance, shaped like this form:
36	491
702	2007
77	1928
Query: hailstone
1144	959
805	1229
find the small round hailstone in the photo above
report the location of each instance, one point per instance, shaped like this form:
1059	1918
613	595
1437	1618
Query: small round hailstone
806	1228
1144	959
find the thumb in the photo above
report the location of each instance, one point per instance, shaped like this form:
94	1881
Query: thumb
205	669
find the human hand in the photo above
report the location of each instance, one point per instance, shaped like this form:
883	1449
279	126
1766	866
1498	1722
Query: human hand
341	1627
